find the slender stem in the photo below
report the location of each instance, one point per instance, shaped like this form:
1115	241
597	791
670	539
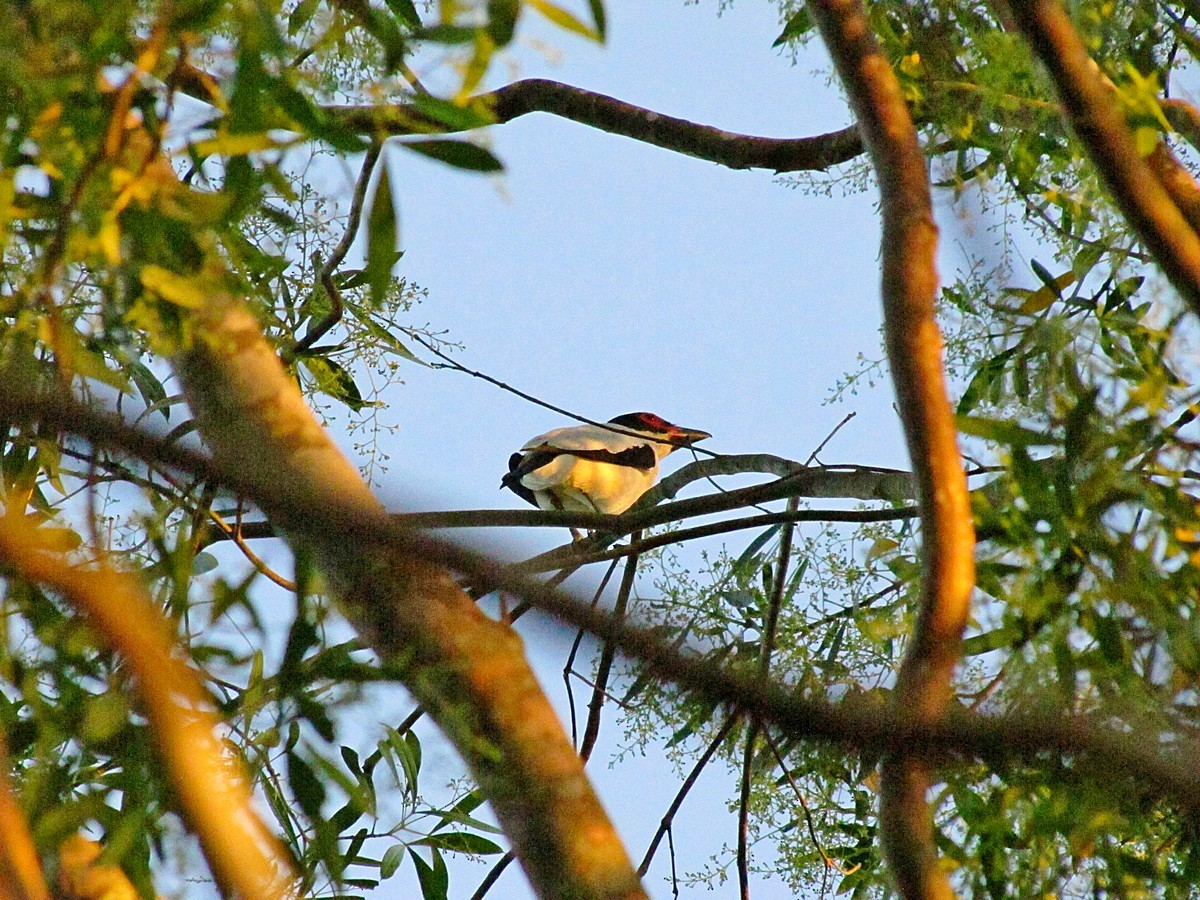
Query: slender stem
327	270
684	789
591	729
914	347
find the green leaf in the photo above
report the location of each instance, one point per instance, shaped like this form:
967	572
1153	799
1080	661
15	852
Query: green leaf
1005	432
455	116
309	791
406	12
502	20
599	18
392	858
334	381
565	20
462	842
386	336
798	25
460	154
381	237
984	377
434	878
151	389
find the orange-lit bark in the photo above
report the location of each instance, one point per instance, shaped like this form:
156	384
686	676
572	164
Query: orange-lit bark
214	794
914	348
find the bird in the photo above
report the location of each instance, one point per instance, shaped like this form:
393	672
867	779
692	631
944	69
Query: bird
595	468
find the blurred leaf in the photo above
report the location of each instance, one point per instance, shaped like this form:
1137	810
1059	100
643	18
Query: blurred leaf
566	20
502	20
307	787
460	154
204	563
381	237
799	24
406	12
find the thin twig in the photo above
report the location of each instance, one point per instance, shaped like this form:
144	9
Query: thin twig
684	789
261	567
591	729
767	648
329	267
451	363
568	667
830	862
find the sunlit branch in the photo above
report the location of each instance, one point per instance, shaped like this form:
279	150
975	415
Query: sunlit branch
914	348
215	797
21	875
1102	129
1168	772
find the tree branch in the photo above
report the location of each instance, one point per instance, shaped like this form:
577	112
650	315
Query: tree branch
21	875
914	346
467	670
1101	128
735	151
1165	769
245	858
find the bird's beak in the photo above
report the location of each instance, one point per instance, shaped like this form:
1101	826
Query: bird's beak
685	437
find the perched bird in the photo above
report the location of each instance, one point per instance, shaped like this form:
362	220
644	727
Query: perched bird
591	468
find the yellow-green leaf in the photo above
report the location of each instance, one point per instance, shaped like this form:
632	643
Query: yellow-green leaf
173	288
1041	299
564	19
236	144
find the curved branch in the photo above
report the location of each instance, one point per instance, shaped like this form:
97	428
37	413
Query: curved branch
1166	770
1102	129
735	151
21	875
246	859
914	347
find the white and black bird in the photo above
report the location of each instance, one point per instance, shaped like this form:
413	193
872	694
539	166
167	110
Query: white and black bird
591	468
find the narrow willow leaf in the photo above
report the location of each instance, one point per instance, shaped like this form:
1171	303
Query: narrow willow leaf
460	154
382	232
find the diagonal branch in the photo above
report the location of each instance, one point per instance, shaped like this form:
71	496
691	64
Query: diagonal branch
1101	127
914	346
21	875
215	798
467	670
1166	769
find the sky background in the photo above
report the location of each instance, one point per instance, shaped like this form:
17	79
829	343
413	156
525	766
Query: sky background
606	276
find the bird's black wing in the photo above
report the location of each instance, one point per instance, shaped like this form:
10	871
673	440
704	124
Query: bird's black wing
518	467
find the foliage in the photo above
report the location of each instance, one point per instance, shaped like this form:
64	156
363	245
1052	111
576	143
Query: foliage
1076	399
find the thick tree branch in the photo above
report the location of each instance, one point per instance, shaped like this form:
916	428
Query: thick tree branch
466	669
736	151
914	348
1101	127
21	875
1166	768
215	799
